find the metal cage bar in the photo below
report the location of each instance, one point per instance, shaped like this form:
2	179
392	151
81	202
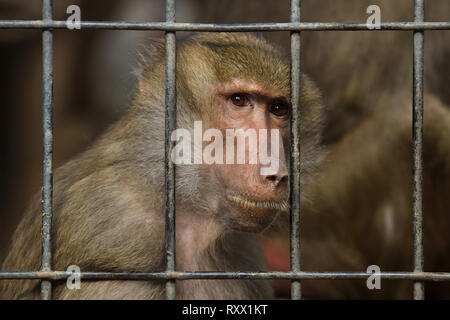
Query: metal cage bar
419	14
47	24
169	165
294	172
47	151
188	275
211	27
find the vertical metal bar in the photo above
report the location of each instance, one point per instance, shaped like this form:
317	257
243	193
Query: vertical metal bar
169	165
419	13
294	178
47	151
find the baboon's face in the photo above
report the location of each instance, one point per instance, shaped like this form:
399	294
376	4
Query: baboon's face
253	180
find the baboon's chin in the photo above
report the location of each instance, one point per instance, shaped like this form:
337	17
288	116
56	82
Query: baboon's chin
251	224
245	217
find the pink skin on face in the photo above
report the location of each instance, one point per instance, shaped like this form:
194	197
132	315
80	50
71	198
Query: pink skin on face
244	104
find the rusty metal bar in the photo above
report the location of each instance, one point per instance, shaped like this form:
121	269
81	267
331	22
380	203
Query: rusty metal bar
169	165
280	275
419	14
210	27
294	173
47	151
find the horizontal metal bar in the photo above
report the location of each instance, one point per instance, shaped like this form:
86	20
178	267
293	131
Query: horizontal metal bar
178	26
175	275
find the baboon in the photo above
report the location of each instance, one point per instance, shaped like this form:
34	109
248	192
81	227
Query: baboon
365	187
358	210
109	201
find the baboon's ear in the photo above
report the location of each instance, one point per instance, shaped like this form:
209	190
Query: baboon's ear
148	51
148	54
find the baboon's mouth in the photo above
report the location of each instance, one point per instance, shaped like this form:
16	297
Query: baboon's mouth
248	203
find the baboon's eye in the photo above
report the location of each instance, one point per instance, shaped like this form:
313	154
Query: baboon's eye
239	100
279	108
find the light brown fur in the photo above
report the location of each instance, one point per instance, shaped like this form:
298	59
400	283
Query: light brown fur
358	211
108	202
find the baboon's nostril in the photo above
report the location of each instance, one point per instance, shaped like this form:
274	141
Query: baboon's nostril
275	178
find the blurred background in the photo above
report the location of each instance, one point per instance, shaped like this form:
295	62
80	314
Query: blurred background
95	71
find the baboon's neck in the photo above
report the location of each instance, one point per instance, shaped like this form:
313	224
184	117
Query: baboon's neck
195	234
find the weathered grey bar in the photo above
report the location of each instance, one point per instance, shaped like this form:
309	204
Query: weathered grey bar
294	173
47	151
169	165
419	291
179	26
289	275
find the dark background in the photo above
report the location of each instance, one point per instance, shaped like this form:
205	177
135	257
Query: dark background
95	71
